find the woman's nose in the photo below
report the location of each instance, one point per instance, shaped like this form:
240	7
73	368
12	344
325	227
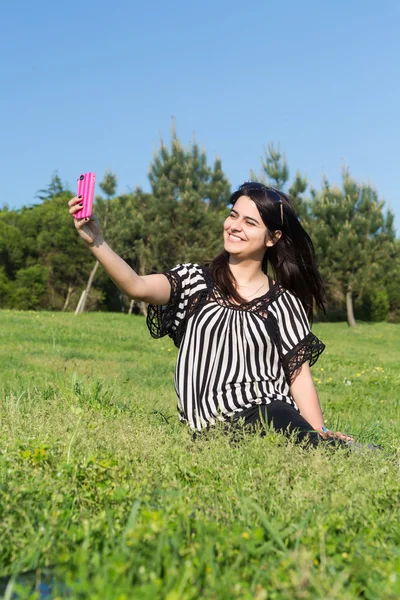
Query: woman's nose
236	226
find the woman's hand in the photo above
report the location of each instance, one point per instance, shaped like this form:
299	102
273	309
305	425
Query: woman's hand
337	434
89	228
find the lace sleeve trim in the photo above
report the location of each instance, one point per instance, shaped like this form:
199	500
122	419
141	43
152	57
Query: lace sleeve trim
308	349
161	319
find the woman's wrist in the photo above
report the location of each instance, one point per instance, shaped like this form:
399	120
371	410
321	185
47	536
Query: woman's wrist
97	243
324	432
317	426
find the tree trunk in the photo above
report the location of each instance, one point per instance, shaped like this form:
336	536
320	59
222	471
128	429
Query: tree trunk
132	302
68	298
143	308
85	294
78	306
349	307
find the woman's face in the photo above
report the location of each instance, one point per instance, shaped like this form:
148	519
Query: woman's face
245	234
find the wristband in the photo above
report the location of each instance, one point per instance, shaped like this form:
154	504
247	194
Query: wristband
325	430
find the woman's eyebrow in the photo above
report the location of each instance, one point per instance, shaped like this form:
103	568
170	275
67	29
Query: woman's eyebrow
235	211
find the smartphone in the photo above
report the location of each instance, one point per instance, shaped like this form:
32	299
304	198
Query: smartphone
86	183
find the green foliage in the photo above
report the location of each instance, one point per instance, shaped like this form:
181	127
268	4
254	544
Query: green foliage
181	220
28	289
189	205
353	240
5	288
390	276
296	192
219	189
131	230
274	166
55	188
376	305
275	172
99	478
109	184
11	248
60	249
103	207
41	243
298	186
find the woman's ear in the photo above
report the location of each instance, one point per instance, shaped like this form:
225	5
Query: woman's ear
273	237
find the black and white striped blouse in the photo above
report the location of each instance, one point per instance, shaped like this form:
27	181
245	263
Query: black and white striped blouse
231	357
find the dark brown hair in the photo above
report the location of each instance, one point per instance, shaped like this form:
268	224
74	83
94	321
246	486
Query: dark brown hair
292	258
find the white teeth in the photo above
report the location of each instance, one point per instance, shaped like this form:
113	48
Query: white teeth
235	238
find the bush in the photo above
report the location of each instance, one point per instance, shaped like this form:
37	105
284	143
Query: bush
393	289
376	305
5	289
29	287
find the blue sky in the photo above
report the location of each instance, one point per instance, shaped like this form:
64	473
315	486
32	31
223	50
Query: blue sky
90	86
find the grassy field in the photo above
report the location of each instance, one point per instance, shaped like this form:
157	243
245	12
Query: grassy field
100	481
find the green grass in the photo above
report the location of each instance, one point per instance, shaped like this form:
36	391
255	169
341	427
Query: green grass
99	478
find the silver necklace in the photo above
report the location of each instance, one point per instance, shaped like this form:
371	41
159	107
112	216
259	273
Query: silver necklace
254	293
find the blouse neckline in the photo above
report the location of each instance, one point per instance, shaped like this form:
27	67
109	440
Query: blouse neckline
222	300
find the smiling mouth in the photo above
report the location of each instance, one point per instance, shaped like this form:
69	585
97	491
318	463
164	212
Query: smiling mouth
234	238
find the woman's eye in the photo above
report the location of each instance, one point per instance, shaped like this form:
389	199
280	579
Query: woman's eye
250	223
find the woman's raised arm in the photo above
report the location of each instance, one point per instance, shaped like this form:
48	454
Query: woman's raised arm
154	289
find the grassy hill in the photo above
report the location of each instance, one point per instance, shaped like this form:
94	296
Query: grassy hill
100	480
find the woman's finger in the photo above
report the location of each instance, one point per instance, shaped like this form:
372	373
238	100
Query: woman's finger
75	200
343	437
75	209
79	223
326	434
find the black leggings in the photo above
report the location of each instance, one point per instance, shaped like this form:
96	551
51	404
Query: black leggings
283	417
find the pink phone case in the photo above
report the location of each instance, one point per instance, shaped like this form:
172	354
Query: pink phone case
86	183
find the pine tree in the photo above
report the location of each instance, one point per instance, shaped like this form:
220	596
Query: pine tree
219	188
296	192
351	237
189	202
55	188
391	277
130	234
275	171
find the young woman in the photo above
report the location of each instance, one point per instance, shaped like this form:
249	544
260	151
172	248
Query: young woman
245	345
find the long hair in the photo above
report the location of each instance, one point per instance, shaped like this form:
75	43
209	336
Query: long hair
291	258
